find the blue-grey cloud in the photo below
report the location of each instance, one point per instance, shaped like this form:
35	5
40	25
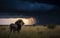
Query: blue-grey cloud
33	6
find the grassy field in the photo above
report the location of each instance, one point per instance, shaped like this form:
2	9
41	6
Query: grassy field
31	32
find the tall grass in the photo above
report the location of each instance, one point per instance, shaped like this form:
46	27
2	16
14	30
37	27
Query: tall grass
31	32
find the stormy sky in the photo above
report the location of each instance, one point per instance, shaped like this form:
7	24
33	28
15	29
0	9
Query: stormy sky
44	11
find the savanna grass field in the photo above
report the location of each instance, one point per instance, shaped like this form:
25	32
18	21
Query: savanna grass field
30	32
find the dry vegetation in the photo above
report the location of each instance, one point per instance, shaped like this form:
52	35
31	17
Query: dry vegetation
31	32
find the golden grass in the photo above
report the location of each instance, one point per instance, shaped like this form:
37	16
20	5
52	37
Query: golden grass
31	32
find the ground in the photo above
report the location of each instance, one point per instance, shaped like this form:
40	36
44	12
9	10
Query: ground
31	32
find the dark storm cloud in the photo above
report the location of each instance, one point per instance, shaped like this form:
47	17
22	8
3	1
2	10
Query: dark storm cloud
55	2
33	6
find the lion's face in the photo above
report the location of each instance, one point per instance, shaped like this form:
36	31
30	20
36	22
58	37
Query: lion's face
21	22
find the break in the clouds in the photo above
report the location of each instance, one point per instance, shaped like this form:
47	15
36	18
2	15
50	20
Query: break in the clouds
7	21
